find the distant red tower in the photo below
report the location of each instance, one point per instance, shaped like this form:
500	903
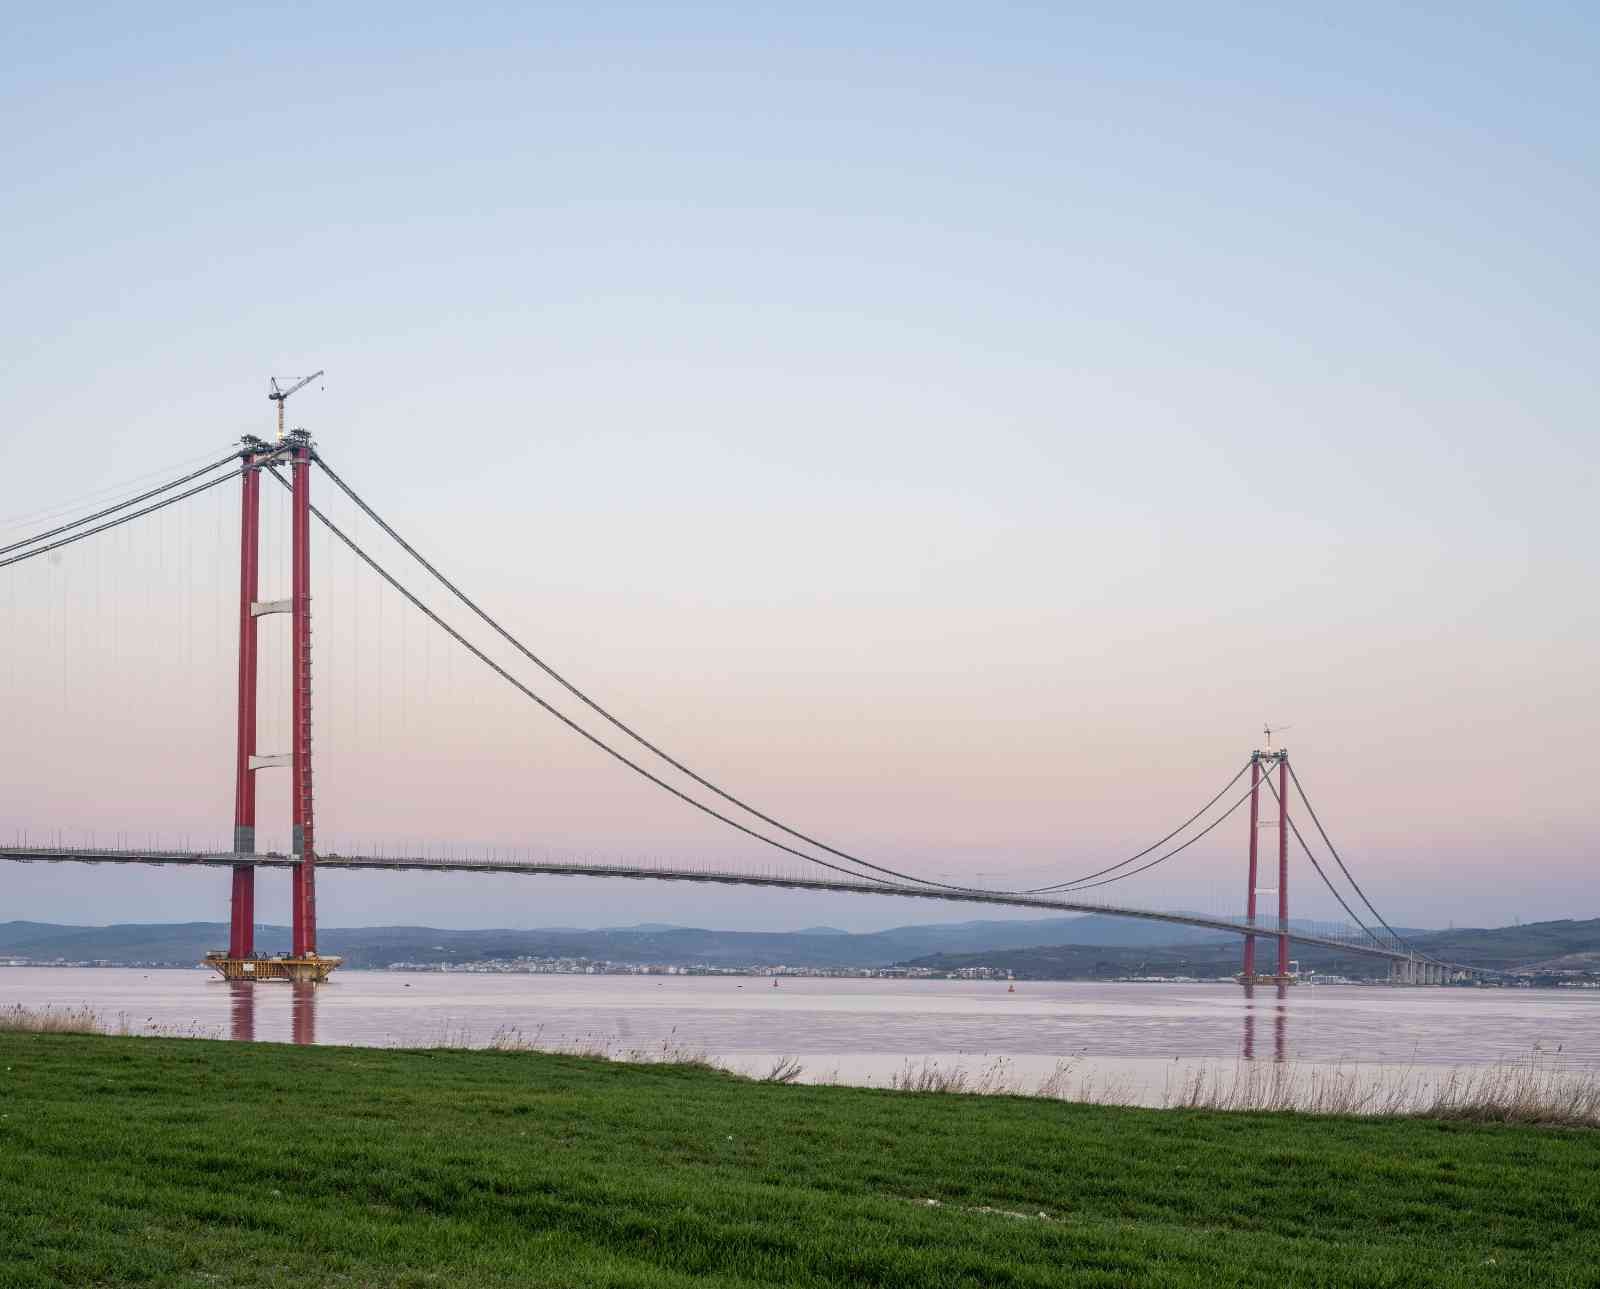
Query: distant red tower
1262	764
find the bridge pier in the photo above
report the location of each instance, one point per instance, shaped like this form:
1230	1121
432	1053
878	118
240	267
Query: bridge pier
1415	971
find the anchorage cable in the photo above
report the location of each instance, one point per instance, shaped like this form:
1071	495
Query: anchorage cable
121	505
119	521
1058	886
572	724
1311	810
601	711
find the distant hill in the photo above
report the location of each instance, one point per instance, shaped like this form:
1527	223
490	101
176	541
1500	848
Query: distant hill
1510	947
162	942
1048	947
148	943
1540	948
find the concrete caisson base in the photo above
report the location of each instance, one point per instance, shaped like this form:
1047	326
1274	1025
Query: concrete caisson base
312	969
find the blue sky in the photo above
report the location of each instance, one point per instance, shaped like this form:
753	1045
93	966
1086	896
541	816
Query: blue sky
939	420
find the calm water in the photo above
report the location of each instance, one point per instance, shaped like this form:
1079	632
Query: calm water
853	1029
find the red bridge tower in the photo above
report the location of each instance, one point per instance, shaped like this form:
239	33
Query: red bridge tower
241	962
1263	763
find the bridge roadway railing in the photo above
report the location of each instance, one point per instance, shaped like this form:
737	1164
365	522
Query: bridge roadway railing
1327	935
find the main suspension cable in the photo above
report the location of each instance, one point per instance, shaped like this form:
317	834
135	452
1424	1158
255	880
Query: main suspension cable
578	729
119	521
1294	828
121	505
1183	827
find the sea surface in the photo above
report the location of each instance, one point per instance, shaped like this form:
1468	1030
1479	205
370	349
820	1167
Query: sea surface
1136	1038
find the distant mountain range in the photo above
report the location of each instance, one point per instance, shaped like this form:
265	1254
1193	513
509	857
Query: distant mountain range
1564	949
1049	948
185	942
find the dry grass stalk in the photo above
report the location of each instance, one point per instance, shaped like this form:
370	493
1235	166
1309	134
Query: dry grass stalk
785	1069
995	1079
1535	1091
592	1047
81	1019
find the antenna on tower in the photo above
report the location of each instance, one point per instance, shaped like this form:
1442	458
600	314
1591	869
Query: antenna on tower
1270	730
282	388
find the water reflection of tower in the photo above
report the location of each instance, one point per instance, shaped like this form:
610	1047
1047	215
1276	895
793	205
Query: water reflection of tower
242	1010
1280	1024
304	1013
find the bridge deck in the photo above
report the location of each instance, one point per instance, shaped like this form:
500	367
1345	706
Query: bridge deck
1353	941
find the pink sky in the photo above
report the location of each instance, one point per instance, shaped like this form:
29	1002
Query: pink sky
959	437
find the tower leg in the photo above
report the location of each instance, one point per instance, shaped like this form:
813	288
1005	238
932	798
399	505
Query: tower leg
242	913
304	897
241	932
1250	892
1283	864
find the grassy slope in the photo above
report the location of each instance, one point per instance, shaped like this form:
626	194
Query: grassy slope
176	1162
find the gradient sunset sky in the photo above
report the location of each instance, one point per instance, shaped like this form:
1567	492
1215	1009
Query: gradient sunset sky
957	428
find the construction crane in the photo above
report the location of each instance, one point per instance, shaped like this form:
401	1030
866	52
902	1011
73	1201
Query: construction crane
1268	730
279	395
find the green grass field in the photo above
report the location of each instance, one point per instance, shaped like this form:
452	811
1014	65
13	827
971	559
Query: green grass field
192	1163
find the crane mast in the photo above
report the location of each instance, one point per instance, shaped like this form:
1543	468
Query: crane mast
281	389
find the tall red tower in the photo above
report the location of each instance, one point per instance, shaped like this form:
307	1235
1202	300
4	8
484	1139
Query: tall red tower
1262	765
304	963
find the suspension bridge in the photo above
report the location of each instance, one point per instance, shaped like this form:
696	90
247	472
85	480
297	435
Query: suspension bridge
800	860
